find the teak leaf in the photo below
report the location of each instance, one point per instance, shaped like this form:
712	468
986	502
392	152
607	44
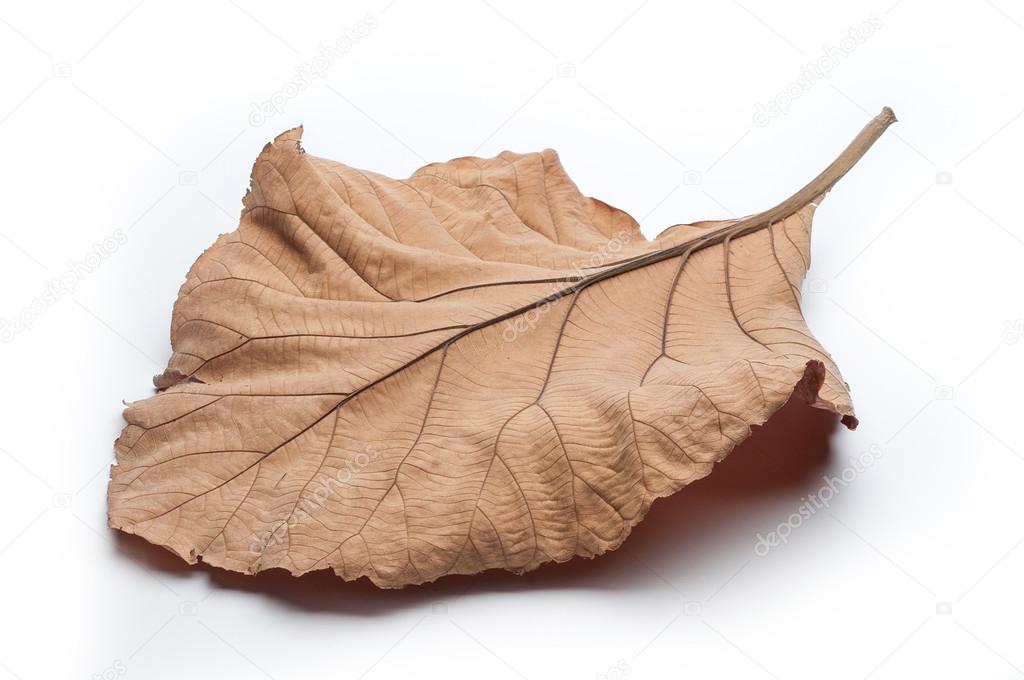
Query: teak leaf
473	368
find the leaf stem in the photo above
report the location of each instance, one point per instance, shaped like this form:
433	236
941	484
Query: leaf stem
816	187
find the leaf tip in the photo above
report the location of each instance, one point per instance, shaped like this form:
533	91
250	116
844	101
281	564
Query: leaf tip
291	136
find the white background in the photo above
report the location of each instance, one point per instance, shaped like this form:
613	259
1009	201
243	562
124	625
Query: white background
136	117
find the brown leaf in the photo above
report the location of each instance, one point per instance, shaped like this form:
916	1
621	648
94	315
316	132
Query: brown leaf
473	368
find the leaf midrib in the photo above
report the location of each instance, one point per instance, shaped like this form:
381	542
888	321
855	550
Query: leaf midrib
816	187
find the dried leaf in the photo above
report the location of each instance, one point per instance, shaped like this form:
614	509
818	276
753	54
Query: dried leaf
473	368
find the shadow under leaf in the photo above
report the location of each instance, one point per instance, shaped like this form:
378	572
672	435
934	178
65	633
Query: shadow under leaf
786	457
